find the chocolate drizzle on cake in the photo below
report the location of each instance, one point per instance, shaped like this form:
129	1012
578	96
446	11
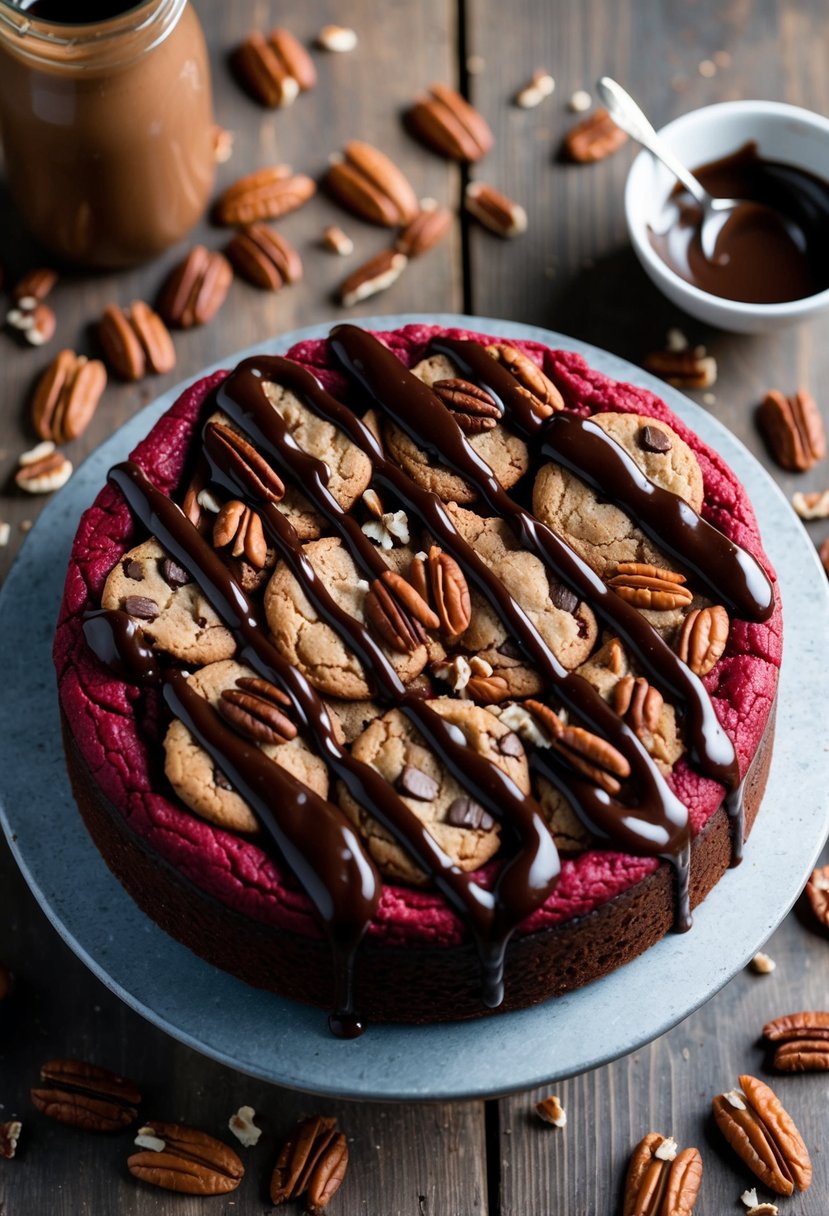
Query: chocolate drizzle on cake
312	836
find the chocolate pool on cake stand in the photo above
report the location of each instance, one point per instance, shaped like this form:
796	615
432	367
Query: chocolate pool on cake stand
288	1043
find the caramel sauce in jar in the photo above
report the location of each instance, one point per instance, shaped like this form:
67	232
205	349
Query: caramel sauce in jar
772	248
107	125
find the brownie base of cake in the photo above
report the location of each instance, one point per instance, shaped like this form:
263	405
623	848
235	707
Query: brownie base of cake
412	983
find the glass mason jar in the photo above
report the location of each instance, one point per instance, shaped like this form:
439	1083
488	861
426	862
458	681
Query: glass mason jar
107	125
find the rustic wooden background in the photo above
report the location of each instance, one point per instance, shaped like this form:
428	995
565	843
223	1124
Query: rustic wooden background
573	271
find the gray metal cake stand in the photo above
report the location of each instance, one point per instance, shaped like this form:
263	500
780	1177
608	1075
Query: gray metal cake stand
289	1044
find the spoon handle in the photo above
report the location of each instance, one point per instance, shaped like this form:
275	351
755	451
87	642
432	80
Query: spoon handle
626	114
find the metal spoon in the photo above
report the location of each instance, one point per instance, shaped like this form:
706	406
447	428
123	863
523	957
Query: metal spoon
626	114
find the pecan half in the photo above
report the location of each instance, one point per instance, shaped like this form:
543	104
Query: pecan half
472	408
244	462
274	69
372	277
410	598
86	1096
426	230
189	1161
661	1181
802	1041
264	257
637	701
494	210
793	429
647	586
534	384
9	1136
328	1175
817	893
195	290
309	1144
703	637
257	709
594	138
764	1136
686	368
394	625
66	396
589	754
238	528
135	341
44	475
264	195
369	184
450	125
441	582
34	286
487	690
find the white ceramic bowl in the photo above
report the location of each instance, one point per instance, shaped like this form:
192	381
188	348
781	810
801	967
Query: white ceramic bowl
782	133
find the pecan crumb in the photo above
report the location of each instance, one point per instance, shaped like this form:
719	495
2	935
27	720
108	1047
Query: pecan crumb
243	1127
551	1111
762	963
580	101
9	1136
337	38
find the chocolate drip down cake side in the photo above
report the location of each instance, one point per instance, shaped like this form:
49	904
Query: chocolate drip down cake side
419	675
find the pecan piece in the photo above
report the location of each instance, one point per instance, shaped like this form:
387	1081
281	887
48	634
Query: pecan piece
472	407
534	384
239	528
395	626
372	277
256	708
589	754
188	1161
660	1181
9	1136
264	257
793	429
703	637
337	241
299	1156
86	1096
686	368
45	474
264	195
370	185
426	230
244	462
647	586
274	70
594	138
135	341
764	1136
817	893
551	1111
33	320
195	290
637	701
814	505
450	125
338	39
494	210
66	396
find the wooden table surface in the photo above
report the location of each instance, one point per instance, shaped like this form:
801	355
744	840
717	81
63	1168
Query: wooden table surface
572	271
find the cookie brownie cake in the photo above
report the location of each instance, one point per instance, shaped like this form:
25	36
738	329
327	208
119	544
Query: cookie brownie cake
418	674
